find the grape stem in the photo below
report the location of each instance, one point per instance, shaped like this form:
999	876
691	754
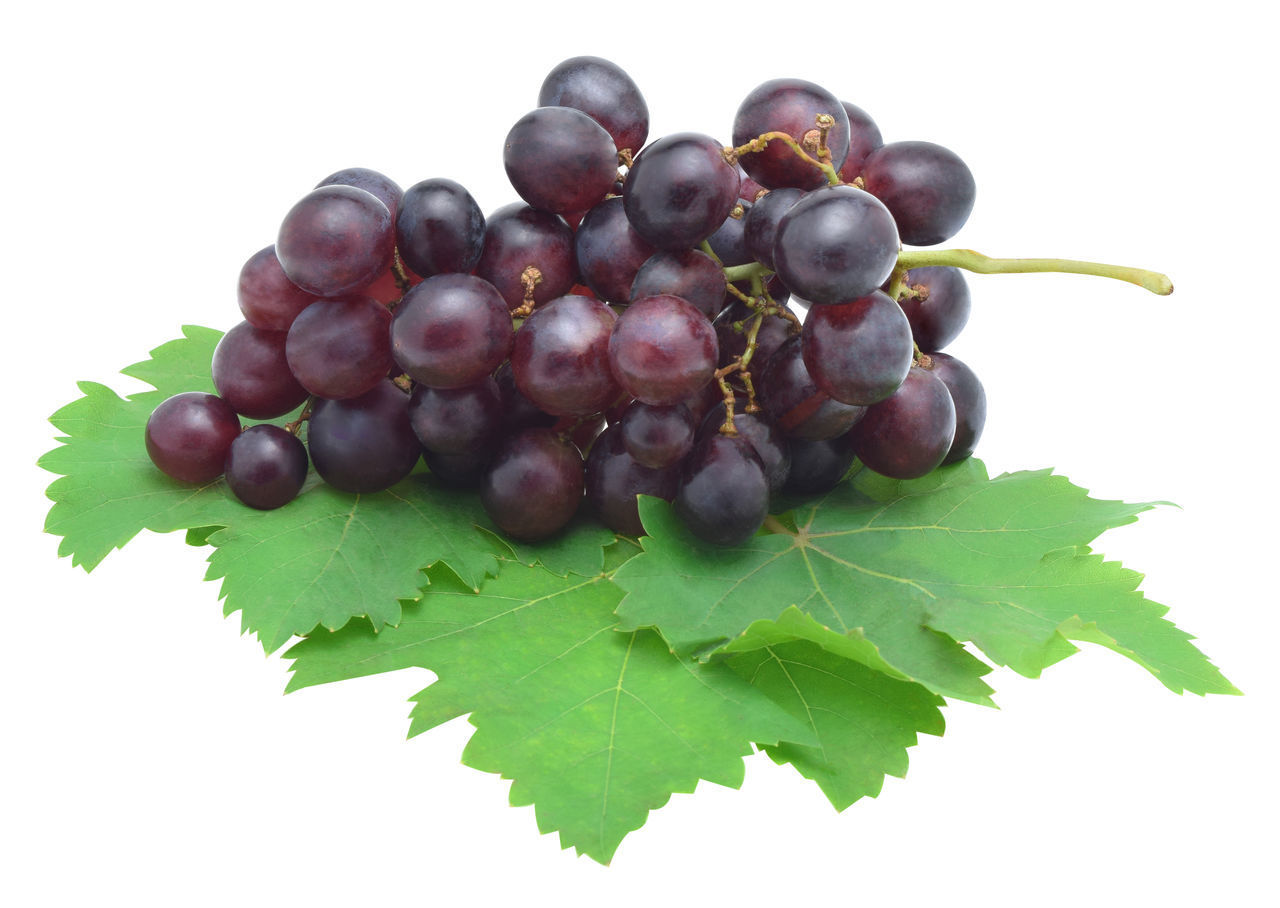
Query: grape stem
761	142
982	264
294	427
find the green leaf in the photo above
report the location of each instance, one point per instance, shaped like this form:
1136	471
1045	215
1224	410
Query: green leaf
595	728
577	549
109	490
330	556
862	719
912	566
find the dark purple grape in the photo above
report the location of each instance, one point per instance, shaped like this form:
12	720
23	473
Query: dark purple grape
188	435
657	437
970	400
939	308
336	240
774	330
836	244
602	90
691	275
761	227
451	331
382	187
857	352
864	138
724	496
929	190
560	160
680	190
662	350
818	466
268	299
518	412
340	348
609	251
560	359
364	444
440	228
793	400
614	479
910	433
790	106
457	420
517	237
252	374
534	485
266	467
769	444
729	242
459	471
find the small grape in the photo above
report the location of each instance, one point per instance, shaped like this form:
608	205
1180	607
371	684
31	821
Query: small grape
188	436
266	467
663	350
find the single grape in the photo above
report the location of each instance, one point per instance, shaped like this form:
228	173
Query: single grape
380	186
266	467
188	436
761	227
691	275
457	420
451	331
680	190
970	400
768	442
790	106
929	190
602	90
793	400
560	359
910	433
609	251
818	466
560	160
336	240
837	243
534	485
614	478
657	437
938	307
440	228
729	242
364	444
252	374
724	495
269	300
662	350
864	138
340	348
517	237
857	352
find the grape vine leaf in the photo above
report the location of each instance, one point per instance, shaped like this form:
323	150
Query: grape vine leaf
595	728
863	719
913	566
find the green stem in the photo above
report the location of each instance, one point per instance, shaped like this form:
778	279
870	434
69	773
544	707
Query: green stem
982	264
734	273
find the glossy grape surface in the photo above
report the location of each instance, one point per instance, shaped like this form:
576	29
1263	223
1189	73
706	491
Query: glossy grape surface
335	240
680	190
560	160
724	496
457	420
534	485
364	444
269	300
766	440
379	185
604	91
729	242
970	400
340	348
939	309
690	274
663	350
614	478
910	433
793	400
440	228
761	227
928	188
451	331
837	243
188	436
251	373
517	237
790	106
657	437
266	467
857	352
560	359
609	251
864	138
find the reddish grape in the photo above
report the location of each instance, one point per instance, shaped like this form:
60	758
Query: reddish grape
657	437
790	106
691	275
268	299
457	420
188	436
864	138
938	308
451	331
517	237
793	400
382	187
518	412
680	190
761	227
857	352
610	251
534	485
252	374
336	240
910	433
266	467
560	160
662	350
364	444
927	187
560	359
614	478
340	348
602	90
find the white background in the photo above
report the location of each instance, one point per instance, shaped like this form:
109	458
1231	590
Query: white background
151	148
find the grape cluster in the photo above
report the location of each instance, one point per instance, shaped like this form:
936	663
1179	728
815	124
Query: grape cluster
715	326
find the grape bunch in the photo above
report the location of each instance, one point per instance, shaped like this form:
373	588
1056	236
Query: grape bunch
717	326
